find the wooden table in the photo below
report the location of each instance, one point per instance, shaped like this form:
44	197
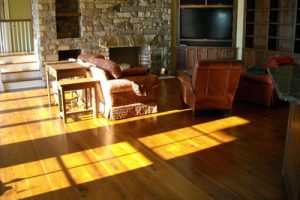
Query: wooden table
61	70
78	84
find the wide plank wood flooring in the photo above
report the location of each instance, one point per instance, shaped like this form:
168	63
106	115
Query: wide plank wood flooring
169	155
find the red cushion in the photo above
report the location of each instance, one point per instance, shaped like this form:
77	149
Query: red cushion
275	61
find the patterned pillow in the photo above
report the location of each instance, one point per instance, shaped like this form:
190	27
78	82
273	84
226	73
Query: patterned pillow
111	67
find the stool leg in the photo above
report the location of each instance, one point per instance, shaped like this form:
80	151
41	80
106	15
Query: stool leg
85	99
95	101
59	101
91	96
64	105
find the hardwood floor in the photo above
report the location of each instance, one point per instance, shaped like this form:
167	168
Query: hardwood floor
169	155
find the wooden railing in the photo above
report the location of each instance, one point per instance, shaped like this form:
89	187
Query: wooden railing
16	36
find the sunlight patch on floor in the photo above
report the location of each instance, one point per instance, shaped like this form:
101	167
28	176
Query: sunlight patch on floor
43	124
184	141
50	174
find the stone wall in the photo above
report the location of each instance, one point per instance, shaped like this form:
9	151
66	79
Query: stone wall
104	19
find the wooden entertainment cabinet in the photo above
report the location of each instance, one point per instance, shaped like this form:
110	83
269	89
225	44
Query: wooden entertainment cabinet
272	27
191	50
187	56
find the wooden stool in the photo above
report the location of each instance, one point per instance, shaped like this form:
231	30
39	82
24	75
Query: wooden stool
78	84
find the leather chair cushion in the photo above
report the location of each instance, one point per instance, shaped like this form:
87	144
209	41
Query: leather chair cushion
135	71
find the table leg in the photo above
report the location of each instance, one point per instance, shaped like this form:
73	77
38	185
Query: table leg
48	85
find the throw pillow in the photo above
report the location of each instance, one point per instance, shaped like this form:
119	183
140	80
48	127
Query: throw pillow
111	67
276	61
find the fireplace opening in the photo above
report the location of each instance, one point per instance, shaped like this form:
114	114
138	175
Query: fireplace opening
133	56
66	54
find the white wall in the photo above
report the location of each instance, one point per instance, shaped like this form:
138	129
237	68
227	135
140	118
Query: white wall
20	9
240	28
1	10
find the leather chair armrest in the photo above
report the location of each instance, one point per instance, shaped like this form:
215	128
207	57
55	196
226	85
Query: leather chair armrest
118	85
185	80
138	84
135	71
262	78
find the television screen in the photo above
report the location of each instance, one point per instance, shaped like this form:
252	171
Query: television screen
212	23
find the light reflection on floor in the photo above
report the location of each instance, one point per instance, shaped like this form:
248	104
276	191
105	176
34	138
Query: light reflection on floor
75	168
180	142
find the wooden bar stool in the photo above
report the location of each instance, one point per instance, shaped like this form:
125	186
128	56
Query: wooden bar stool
78	84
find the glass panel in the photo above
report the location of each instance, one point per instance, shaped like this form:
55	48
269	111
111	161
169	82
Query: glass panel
298	17
250	16
251	4
223	2
272	44
298	31
250	29
274	16
196	2
249	42
272	30
297	47
274	4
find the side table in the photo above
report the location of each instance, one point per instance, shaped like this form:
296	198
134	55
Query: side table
78	84
61	70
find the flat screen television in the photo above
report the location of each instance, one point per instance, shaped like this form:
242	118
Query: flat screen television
209	23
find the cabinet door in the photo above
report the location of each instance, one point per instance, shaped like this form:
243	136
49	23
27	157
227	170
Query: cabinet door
229	53
254	57
188	56
181	59
201	53
191	57
248	58
212	54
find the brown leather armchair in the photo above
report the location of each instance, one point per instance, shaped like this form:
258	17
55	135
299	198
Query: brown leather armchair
123	93
259	88
212	85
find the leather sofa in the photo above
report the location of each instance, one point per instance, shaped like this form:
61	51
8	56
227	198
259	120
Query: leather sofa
259	88
212	85
123	93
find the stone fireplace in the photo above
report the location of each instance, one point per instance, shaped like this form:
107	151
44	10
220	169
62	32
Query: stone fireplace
106	24
133	50
132	56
